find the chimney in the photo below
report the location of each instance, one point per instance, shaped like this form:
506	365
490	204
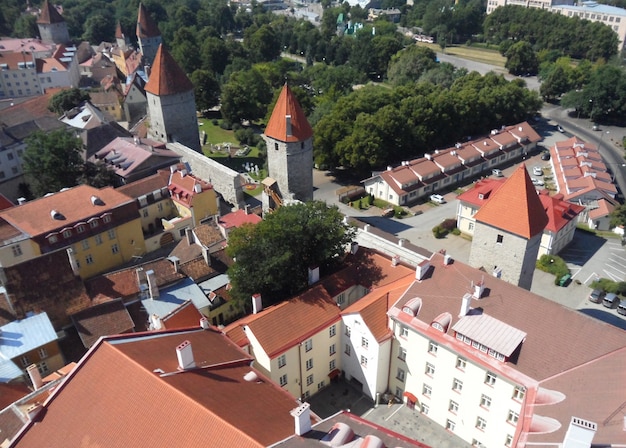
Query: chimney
465	305
366	228
401	242
395	260
422	269
354	247
197	188
185	356
147	69
302	418
314	275
204	323
257	303
579	433
21	201
190	237
447	259
172	169
33	411
155	322
35	376
247	209
73	262
288	124
479	288
175	261
152	284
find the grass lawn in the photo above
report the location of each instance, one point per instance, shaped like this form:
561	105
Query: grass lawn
215	134
484	55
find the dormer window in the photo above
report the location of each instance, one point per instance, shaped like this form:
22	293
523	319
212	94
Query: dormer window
67	233
106	218
80	228
93	223
412	307
53	239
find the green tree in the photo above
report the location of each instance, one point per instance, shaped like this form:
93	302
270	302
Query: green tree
618	216
521	59
409	64
99	28
52	161
245	96
97	175
273	256
206	89
66	100
263	44
26	26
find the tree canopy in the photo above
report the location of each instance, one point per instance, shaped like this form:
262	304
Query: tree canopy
273	257
66	100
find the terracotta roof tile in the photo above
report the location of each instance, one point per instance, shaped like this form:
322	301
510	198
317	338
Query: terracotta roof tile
185	316
10	393
145	25
560	212
287	106
146	185
49	14
109	318
208	235
515	207
238	218
166	76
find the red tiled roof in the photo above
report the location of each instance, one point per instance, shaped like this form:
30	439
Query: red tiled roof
109	318
146	185
10	393
166	76
185	316
287	105
117	397
604	209
560	212
145	25
515	207
481	192
49	14
183	187
238	218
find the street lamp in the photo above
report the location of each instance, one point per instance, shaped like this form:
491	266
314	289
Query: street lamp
602	138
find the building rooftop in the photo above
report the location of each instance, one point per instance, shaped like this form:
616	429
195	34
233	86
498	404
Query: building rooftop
288	122
49	14
166	76
145	25
106	319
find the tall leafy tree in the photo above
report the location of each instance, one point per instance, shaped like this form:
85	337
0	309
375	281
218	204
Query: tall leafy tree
66	100
273	256
52	161
245	96
206	89
521	59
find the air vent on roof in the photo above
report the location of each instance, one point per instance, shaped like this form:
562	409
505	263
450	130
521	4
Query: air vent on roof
95	200
56	215
251	376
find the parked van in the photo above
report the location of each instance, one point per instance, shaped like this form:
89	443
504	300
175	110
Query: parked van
437	199
496	172
610	300
621	308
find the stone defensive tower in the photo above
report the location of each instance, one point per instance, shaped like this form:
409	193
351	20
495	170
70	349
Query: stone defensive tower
289	140
51	25
508	231
148	35
171	103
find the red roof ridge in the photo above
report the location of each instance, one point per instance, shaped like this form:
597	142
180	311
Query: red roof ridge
145	25
288	122
166	77
515	207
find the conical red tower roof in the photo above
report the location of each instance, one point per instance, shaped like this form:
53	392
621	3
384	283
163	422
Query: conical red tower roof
515	207
166	76
145	25
288	123
49	14
118	31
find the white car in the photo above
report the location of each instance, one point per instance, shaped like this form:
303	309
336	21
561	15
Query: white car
537	182
537	171
437	199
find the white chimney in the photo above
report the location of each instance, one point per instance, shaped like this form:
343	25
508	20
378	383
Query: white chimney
366	228
395	260
152	284
35	376
479	288
465	305
497	272
288	124
247	209
21	201
257	303
302	418
197	188
33	411
173	169
354	248
204	323
155	322
190	236
314	275
579	433
401	242
185	356
447	259
175	261
73	262
422	269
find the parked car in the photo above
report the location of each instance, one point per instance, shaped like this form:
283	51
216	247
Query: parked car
545	155
610	300
621	308
560	128
537	182
537	171
437	199
497	172
596	127
596	296
388	212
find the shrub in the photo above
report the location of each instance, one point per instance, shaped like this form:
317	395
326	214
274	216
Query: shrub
456	231
225	124
236	126
215	122
610	286
553	264
449	224
439	232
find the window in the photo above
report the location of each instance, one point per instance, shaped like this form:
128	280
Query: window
424	408
17	250
347	350
470	226
509	440
453	406
42	367
402	353
145	213
341	298
115	249
519	393
485	401
481	423
309	380
53	239
89	259
430	369
400	374
513	417
490	379
320	385
283	380
25	361
331	365
98	239
282	361
107	218
364	342
308	345
93	223
332	331
363	361
14	169
85	244
111	234
461	363
348	331
332	350
10	156
160	206
457	385
477	443
67	233
427	390
432	347
450	425
2	175
499	239
309	363
275	146
43	353
404	332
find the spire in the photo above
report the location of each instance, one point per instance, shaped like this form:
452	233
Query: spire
118	31
146	27
288	123
49	14
166	76
515	207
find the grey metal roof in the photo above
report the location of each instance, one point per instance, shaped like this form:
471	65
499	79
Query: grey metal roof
491	332
171	298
